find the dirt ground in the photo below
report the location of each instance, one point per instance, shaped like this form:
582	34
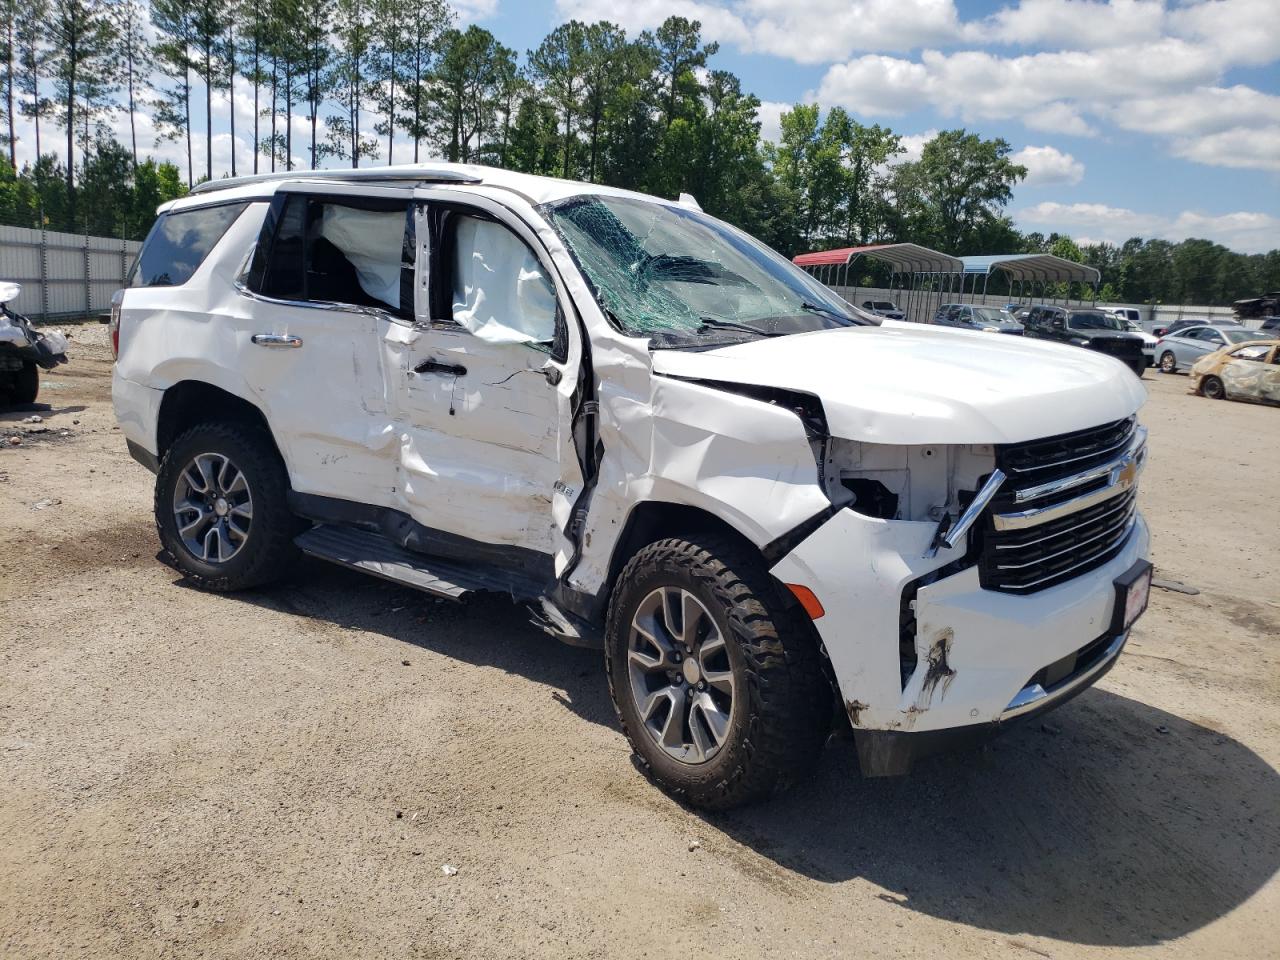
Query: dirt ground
285	773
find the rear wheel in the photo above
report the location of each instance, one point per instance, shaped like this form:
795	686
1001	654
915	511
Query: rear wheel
717	683
221	508
1212	388
1168	362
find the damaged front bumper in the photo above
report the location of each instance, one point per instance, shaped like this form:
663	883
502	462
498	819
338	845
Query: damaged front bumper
922	668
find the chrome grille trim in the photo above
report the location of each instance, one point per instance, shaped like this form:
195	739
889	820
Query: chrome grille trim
1076	513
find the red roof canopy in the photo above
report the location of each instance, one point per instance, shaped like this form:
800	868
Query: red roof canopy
901	257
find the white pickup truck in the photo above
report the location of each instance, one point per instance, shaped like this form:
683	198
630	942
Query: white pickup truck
774	512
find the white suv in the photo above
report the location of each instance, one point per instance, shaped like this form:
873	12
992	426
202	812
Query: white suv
771	512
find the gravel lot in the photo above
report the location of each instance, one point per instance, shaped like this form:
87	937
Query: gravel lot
285	773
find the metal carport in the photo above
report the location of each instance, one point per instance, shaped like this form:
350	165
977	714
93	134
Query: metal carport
914	264
1029	268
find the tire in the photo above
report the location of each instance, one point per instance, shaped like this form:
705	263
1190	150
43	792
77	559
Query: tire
1168	362
779	707
26	385
1212	388
240	465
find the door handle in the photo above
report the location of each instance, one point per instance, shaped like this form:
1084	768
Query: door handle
436	366
275	340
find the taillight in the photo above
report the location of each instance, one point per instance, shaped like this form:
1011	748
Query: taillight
114	326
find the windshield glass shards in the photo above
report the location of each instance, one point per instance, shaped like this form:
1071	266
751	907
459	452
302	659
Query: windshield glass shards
680	276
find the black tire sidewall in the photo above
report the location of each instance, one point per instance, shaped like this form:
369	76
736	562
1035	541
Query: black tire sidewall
255	456
690	777
1206	388
26	384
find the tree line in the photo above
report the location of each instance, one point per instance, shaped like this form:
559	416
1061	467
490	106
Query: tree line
341	81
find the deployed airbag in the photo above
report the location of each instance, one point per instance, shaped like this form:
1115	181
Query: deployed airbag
372	240
500	292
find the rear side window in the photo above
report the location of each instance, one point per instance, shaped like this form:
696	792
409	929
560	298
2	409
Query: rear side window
179	243
356	251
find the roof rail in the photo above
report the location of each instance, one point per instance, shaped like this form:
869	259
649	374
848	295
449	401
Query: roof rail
423	174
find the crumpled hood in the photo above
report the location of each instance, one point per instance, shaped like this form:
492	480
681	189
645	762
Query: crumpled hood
912	384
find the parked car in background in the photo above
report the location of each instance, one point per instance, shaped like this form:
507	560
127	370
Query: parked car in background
1179	350
967	316
24	351
1186	322
1127	314
1089	328
1270	326
1149	341
468	380
1244	371
884	308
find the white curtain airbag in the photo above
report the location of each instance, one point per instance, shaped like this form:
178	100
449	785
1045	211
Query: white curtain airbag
372	240
500	292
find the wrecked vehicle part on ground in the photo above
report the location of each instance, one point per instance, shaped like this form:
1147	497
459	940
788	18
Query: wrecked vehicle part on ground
761	500
1247	371
24	351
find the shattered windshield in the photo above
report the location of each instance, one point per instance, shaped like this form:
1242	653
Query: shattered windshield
683	277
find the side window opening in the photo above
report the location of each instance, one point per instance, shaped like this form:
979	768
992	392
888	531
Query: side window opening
179	243
489	282
348	251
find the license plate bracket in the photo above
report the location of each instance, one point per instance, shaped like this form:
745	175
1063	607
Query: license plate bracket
1133	592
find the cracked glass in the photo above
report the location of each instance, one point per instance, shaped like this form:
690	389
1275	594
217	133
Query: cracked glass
683	278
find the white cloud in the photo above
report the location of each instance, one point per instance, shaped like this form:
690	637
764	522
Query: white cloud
1241	32
819	31
1084	24
1247	231
770	115
1048	165
913	147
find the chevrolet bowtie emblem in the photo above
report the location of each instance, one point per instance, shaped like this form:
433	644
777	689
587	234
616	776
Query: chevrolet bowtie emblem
1125	472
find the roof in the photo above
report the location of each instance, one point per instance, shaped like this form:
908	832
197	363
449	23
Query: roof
1032	266
901	257
535	189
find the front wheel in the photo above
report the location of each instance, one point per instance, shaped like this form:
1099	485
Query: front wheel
1212	388
717	682
26	384
1168	362
221	508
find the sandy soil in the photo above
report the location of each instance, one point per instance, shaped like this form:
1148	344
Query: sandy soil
284	773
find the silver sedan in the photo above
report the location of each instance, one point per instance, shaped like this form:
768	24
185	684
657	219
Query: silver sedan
1176	352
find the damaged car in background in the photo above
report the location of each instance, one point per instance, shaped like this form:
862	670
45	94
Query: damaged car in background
1247	371
24	351
774	512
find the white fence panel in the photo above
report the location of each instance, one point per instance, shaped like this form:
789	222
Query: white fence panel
64	274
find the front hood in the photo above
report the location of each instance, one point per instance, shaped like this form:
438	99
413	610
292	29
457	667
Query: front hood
909	384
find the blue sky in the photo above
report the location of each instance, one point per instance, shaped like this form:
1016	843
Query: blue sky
1135	117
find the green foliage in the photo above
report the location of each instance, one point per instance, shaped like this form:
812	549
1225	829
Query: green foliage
649	112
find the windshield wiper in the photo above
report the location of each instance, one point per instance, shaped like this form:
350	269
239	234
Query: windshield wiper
825	311
715	323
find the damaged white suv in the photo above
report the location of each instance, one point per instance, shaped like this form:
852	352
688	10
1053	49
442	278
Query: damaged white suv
772	511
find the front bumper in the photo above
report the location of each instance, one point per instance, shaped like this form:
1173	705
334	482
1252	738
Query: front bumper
976	650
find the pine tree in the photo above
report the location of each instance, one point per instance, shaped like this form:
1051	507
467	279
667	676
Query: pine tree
133	58
83	67
175	29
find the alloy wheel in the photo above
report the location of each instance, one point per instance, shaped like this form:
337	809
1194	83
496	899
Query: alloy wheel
681	679
212	508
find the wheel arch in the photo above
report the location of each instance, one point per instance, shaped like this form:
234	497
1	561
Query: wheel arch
191	402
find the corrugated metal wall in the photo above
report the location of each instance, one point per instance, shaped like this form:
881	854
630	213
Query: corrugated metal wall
63	274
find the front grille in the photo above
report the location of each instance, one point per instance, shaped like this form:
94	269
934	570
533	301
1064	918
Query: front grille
1117	347
1026	553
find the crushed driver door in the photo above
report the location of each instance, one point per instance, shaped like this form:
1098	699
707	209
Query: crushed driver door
482	387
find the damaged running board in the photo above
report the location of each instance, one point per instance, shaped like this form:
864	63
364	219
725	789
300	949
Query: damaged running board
373	553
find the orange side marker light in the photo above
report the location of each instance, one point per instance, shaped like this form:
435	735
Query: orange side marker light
812	605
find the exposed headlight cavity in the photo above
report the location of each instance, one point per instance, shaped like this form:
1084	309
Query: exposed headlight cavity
896	482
